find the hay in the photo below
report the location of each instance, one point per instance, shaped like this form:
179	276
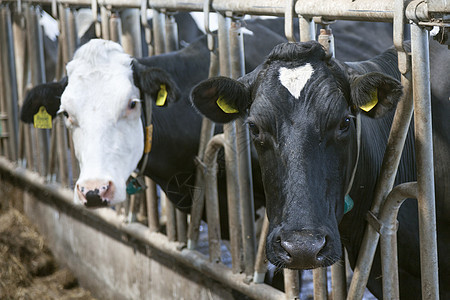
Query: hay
28	270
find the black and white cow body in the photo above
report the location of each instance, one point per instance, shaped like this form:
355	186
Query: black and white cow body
300	106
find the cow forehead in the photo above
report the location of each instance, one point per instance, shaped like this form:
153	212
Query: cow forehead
295	79
100	76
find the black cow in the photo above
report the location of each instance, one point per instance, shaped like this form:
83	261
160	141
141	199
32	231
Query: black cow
300	107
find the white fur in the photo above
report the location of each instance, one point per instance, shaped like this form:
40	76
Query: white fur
108	139
294	80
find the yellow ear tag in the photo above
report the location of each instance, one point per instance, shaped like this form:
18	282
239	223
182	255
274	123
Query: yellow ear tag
162	95
221	102
373	101
42	119
148	138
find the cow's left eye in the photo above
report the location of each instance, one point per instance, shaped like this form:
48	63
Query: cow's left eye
345	123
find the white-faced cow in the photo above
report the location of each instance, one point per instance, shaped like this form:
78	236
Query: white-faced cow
300	106
101	101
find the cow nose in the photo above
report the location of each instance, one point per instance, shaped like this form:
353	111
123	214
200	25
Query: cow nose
300	249
95	193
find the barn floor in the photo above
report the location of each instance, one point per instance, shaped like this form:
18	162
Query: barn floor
28	269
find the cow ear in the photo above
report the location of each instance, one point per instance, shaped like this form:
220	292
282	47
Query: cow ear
47	95
155	82
221	99
375	93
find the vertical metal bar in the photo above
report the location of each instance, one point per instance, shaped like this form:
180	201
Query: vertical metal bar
152	205
307	29
171	218
230	152
339	280
424	159
291	283
261	260
320	284
212	203
131	31
247	215
104	15
391	159
171	34
206	134
158	32
181	220
115	25
10	97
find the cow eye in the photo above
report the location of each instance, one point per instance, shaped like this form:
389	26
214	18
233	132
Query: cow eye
133	103
345	123
65	114
253	129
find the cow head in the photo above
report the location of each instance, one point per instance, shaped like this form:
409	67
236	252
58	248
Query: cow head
101	102
300	106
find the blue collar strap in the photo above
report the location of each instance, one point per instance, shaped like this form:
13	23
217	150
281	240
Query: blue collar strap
348	204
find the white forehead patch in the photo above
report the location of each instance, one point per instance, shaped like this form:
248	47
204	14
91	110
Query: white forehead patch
295	79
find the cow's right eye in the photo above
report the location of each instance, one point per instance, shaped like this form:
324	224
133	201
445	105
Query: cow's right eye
253	129
65	114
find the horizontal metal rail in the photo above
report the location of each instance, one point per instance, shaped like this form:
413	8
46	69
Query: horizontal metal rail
138	235
364	10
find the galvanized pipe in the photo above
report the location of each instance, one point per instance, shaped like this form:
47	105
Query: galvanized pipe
424	162
339	280
131	32
247	216
307	29
391	160
291	284
104	16
159	45
320	284
261	260
171	226
206	134
212	203
115	26
171	33
10	133
230	152
152	205
388	237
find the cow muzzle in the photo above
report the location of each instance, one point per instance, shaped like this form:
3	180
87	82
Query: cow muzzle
305	249
95	193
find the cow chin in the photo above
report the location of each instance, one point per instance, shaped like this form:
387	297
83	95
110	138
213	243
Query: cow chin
302	249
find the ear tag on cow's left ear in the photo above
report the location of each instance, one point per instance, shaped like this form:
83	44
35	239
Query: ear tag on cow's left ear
373	101
225	107
162	95
42	119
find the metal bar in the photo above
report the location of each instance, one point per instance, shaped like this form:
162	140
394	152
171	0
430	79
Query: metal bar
212	205
104	16
152	205
206	134
291	283
247	216
230	152
131	34
171	30
424	162
107	221
320	284
261	260
171	219
115	25
388	237
307	29
10	97
159	45
394	148
339	280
